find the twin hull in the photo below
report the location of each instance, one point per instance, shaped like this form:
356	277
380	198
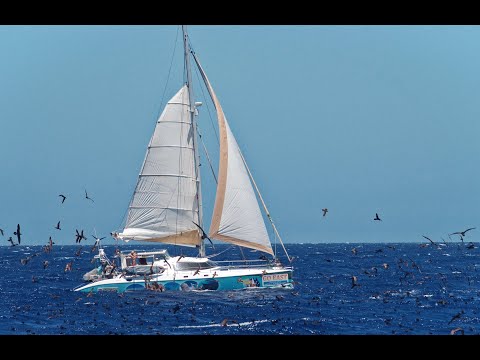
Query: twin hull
211	279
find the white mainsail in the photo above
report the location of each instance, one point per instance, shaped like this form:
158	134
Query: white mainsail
164	206
236	215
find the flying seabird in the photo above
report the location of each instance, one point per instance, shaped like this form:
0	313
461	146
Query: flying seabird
50	241
79	251
197	271
86	196
462	233
325	211
80	236
11	240
25	260
18	233
377	217
433	243
204	234
63	197
456	316
58	226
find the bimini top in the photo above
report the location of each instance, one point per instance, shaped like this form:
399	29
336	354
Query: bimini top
163	253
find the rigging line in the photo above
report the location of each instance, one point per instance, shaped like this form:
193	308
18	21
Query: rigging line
275	245
241	252
205	81
124	217
169	71
221	252
208	108
208	157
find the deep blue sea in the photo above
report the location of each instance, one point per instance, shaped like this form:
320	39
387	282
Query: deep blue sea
401	289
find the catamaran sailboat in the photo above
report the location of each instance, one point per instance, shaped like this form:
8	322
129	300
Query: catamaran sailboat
166	207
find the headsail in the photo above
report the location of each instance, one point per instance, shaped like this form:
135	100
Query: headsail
236	216
164	207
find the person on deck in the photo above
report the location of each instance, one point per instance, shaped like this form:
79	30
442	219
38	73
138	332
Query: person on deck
133	255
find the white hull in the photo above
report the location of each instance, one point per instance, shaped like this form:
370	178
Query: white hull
214	278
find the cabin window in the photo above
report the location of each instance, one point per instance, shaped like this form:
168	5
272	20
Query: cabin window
185	266
142	261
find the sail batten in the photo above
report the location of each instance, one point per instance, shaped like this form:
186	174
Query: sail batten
168	146
175	175
159	207
164	206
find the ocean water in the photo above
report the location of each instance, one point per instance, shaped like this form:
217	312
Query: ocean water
400	289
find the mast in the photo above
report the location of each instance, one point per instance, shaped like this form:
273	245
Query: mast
194	126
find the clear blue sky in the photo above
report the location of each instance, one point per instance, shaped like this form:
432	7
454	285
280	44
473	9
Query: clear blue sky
358	119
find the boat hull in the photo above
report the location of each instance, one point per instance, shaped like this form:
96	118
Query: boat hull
222	280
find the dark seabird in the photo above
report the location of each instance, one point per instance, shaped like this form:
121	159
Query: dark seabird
325	211
86	196
377	217
63	197
79	236
79	251
354	281
11	240
456	316
462	233
18	233
433	243
226	321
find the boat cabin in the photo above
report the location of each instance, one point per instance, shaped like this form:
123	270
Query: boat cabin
145	262
134	258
